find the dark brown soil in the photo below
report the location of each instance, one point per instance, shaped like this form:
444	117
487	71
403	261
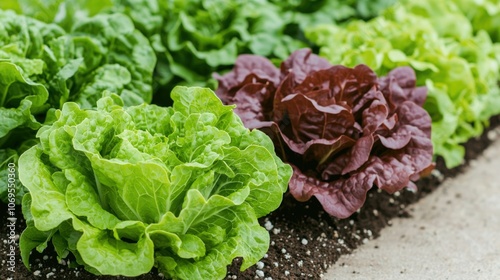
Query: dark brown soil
305	241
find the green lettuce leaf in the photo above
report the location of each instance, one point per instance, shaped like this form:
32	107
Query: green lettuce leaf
124	189
104	52
100	53
20	100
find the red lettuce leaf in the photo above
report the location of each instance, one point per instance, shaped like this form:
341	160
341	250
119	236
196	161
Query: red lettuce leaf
302	63
343	130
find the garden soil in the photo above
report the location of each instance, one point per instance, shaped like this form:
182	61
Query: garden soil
444	233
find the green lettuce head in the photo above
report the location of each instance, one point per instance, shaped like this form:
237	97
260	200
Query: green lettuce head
42	67
124	189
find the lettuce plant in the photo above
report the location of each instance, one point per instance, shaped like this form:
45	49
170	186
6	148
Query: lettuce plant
22	96
459	68
342	129
124	189
42	66
102	52
307	13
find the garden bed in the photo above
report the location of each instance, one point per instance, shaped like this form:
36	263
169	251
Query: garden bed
305	240
341	129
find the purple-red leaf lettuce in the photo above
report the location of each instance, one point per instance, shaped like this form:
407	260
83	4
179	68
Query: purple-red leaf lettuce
342	129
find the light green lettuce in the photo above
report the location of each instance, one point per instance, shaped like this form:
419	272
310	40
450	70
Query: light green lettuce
104	52
124	189
483	14
22	96
368	9
460	69
62	12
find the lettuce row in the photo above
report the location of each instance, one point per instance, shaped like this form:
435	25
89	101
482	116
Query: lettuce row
124	189
197	37
459	68
194	38
61	12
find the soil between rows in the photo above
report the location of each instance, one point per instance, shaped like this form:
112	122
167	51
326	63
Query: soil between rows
305	241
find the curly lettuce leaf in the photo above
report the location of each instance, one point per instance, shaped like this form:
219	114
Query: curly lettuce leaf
100	53
200	180
20	100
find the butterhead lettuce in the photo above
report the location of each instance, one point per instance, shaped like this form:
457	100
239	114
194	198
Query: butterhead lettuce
124	189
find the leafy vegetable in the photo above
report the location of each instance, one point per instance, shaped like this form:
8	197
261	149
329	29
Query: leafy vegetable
21	98
460	69
128	188
483	15
62	12
310	13
42	66
197	37
342	129
368	9
194	38
102	52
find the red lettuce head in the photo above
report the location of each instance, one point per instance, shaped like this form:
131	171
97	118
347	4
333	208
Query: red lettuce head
342	129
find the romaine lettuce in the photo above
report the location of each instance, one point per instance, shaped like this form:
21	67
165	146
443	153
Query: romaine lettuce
128	188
